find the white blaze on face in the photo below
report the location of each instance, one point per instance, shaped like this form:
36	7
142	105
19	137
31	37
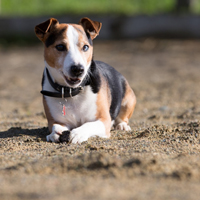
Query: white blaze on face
74	56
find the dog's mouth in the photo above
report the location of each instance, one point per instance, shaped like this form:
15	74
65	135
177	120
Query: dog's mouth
72	81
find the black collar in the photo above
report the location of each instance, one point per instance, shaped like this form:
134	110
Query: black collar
63	92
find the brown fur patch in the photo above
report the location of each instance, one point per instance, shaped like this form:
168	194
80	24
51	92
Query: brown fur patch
53	57
127	106
50	119
103	106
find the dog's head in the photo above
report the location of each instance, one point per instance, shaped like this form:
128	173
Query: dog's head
68	49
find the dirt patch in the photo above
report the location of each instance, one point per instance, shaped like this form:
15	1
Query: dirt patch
158	159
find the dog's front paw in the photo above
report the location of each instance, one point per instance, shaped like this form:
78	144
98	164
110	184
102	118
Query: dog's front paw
78	136
56	133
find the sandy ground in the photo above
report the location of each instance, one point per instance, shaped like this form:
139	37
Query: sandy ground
158	159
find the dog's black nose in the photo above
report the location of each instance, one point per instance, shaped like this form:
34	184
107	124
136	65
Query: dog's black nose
77	70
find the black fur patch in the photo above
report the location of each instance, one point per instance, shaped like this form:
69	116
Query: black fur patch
117	86
94	77
43	78
54	36
89	38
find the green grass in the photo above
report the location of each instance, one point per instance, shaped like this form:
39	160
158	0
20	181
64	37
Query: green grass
60	7
63	7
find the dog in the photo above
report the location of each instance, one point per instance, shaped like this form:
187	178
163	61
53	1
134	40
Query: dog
82	97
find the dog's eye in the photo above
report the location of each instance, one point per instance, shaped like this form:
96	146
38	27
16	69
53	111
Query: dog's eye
85	48
61	47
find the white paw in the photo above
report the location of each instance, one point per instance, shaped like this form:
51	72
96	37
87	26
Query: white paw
56	132
78	136
123	126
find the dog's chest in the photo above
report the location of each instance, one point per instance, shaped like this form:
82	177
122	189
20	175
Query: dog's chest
75	111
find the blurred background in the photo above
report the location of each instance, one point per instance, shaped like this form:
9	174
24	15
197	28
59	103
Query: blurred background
101	7
121	19
126	7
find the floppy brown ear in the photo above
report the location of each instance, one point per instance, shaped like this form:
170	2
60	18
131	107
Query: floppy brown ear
92	27
43	28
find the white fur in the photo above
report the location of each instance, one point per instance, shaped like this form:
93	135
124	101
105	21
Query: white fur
123	126
56	74
87	130
79	109
80	112
74	56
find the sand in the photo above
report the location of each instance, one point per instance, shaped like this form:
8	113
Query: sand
158	159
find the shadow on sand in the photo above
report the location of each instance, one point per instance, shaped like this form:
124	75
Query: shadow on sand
18	131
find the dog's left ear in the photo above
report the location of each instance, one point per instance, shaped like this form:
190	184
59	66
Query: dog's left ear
45	27
92	27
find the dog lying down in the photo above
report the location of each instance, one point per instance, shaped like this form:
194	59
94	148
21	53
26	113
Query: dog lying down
82	97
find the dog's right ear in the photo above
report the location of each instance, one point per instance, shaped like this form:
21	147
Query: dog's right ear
45	27
92	27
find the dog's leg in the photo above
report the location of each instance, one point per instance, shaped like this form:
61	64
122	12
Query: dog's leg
126	111
55	129
87	130
101	127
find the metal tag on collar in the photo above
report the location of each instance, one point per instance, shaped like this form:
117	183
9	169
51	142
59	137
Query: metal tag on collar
63	92
63	108
63	105
70	92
